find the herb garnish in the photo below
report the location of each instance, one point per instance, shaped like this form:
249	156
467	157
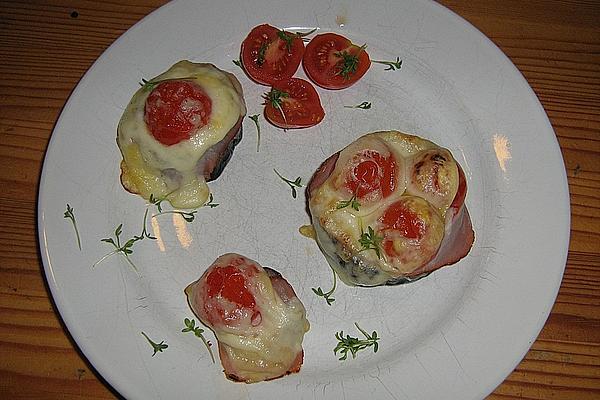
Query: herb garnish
275	98
149	84
187	215
209	202
238	63
260	57
354	345
353	203
157	201
190	326
255	119
365	105
371	241
158	347
304	35
327	296
145	233
292	184
69	214
349	62
125	249
391	65
289	37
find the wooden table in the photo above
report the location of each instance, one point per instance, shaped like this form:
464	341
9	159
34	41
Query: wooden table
45	48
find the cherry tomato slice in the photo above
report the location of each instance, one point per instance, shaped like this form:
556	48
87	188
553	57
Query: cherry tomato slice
230	283
371	172
333	62
269	54
174	110
401	219
293	103
227	291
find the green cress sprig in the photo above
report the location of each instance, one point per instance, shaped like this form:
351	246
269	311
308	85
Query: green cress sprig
125	250
260	59
70	215
157	347
188	216
365	105
210	203
145	233
292	184
353	345
190	326
327	296
150	84
391	65
289	37
352	203
275	97
255	119
349	62
370	241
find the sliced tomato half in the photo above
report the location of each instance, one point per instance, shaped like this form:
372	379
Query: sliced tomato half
293	103
334	62
175	110
371	176
271	54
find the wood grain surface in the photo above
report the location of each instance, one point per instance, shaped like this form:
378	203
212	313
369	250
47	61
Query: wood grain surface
46	47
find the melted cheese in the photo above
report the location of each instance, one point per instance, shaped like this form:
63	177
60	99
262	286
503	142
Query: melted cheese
339	230
270	349
149	167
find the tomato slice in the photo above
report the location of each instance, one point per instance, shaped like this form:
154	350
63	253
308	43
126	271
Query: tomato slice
293	103
412	229
175	109
334	62
228	299
270	54
400	218
230	283
372	175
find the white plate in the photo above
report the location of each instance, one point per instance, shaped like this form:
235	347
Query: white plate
455	335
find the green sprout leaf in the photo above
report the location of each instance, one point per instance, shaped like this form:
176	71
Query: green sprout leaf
70	215
151	84
255	119
327	296
276	97
210	203
349	62
190	326
157	347
292	184
391	65
371	241
353	345
352	203
125	250
365	105
188	216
